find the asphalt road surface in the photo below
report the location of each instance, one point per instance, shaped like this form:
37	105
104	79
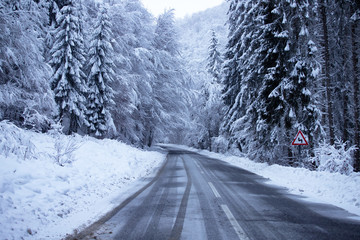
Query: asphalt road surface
195	197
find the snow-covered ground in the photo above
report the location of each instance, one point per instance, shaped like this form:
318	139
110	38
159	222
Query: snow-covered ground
40	199
323	187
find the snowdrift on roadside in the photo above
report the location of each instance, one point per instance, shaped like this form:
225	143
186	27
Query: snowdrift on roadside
48	179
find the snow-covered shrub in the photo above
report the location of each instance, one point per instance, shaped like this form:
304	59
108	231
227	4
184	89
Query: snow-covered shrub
36	121
64	149
220	144
13	141
334	158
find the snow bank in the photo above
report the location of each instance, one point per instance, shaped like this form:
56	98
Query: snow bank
40	199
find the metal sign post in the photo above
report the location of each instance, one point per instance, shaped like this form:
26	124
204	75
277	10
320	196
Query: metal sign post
300	140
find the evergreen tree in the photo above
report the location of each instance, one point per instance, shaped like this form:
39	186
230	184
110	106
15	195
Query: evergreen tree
165	33
214	59
242	78
232	77
211	95
100	76
274	54
301	111
67	61
270	67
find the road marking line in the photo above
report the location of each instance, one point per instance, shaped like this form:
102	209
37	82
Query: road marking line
239	231
197	164
216	193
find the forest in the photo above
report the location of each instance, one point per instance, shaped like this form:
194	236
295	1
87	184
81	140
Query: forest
293	65
113	70
110	71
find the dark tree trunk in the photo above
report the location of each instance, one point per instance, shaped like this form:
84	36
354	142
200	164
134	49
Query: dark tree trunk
330	117
356	96
73	124
150	138
345	115
210	137
345	77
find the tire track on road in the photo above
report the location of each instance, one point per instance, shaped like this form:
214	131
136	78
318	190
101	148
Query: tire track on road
180	218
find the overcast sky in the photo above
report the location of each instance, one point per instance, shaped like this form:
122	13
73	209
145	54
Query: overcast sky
182	7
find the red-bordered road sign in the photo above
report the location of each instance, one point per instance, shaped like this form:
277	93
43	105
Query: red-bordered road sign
300	139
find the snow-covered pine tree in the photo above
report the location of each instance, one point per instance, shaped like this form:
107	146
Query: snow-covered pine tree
211	97
245	127
68	79
53	10
242	78
232	77
210	114
215	60
165	33
100	76
274	55
82	23
301	111
268	61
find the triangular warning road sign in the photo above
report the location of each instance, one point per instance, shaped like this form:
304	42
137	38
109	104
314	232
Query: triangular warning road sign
300	139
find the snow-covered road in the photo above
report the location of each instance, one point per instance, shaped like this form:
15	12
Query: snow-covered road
197	197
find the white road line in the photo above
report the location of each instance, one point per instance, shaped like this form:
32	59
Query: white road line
197	164
216	193
239	231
